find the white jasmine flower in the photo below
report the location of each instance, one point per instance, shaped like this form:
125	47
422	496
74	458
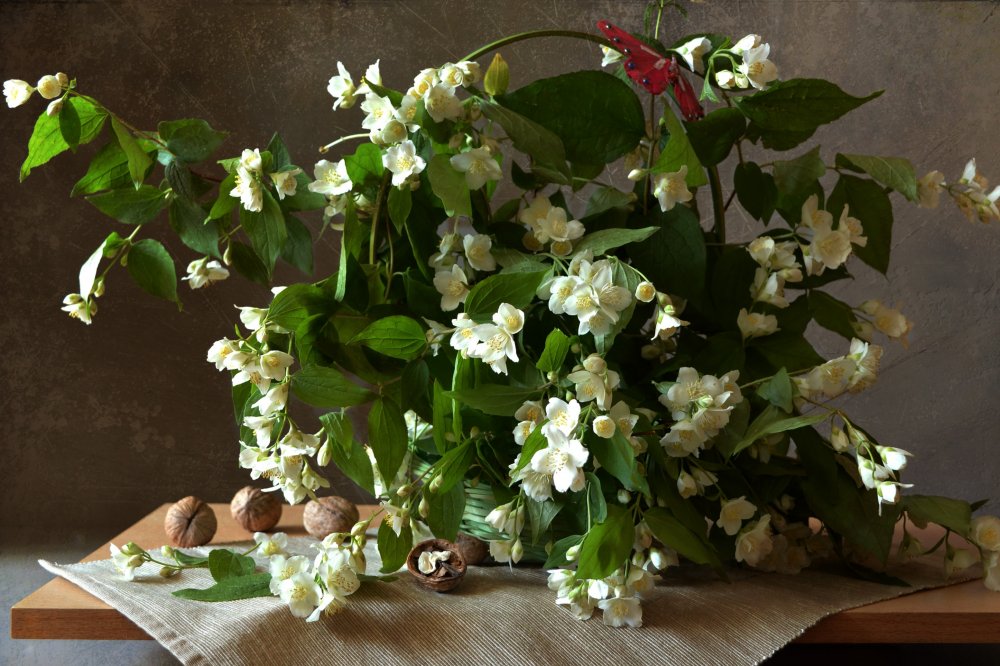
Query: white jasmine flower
271	545
556	227
477	252
331	179
470	71
402	160
125	562
442	104
604	426
991	571
261	427
478	165
250	160
49	87
683	439
16	92
769	288
733	513
854	228
893	458
509	318
624	419
531	410
611	56
562	416
867	358
693	51
452	75
929	189
379	112
274	363
559	290
754	542
645	292
273	401
341	88
285	183
464	338
534	213
890	321
686	485
453	286
283	568
590	386
248	190
497	341
664	321
671	188
621	611
728	80
79	308
506	551
297	443
827	380
203	272
219	350
985	532
755	324
829	248
757	68
423	82
536	485
562	460
301	593
54	108
407	113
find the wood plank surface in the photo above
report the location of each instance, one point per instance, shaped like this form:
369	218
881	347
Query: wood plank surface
962	613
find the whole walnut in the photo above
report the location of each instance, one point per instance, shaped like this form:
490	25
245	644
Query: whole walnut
473	550
327	515
190	522
255	510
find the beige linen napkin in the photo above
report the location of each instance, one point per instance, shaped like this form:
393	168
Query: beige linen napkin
497	615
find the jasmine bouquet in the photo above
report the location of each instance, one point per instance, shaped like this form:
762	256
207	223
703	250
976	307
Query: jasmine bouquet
558	348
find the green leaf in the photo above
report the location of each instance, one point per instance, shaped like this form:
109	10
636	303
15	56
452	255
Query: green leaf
618	459
138	160
397	336
303	199
449	186
772	420
189	560
832	314
69	125
394	548
556	348
794	178
674	259
445	512
346	453
786	349
545	147
601	241
778	390
557	557
597	506
400	204
540	516
279	153
798	106
536	442
607	545
191	140
108	170
47	139
487	295
454	464
713	136
756	190
151	267
231	589
603	199
266	230
893	172
225	203
679	152
187	219
247	264
597	117
364	163
495	399
298	248
321	386
870	204
674	534
296	304
130	205
387	436
225	564
950	513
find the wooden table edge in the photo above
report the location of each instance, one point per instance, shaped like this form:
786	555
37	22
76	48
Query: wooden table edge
36	616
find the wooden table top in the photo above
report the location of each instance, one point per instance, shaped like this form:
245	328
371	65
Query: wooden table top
962	613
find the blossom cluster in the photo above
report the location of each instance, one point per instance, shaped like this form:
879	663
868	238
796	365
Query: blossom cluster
969	193
700	406
51	86
249	185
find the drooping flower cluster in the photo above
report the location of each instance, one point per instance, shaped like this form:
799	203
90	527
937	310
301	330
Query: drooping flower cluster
853	372
492	343
588	292
969	193
776	265
700	406
829	247
51	86
312	588
754	69
549	225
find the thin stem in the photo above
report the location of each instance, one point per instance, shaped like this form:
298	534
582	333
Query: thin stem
521	36
717	204
375	216
349	137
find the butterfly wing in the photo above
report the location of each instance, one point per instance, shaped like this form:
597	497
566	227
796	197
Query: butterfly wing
685	95
643	64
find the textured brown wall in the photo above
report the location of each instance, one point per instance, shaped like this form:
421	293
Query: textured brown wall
101	423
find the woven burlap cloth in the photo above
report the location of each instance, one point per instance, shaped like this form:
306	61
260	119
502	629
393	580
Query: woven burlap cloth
497	615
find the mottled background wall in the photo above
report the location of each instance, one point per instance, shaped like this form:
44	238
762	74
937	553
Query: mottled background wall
102	423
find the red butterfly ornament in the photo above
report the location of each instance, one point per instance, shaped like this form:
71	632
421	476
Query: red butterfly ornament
652	70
